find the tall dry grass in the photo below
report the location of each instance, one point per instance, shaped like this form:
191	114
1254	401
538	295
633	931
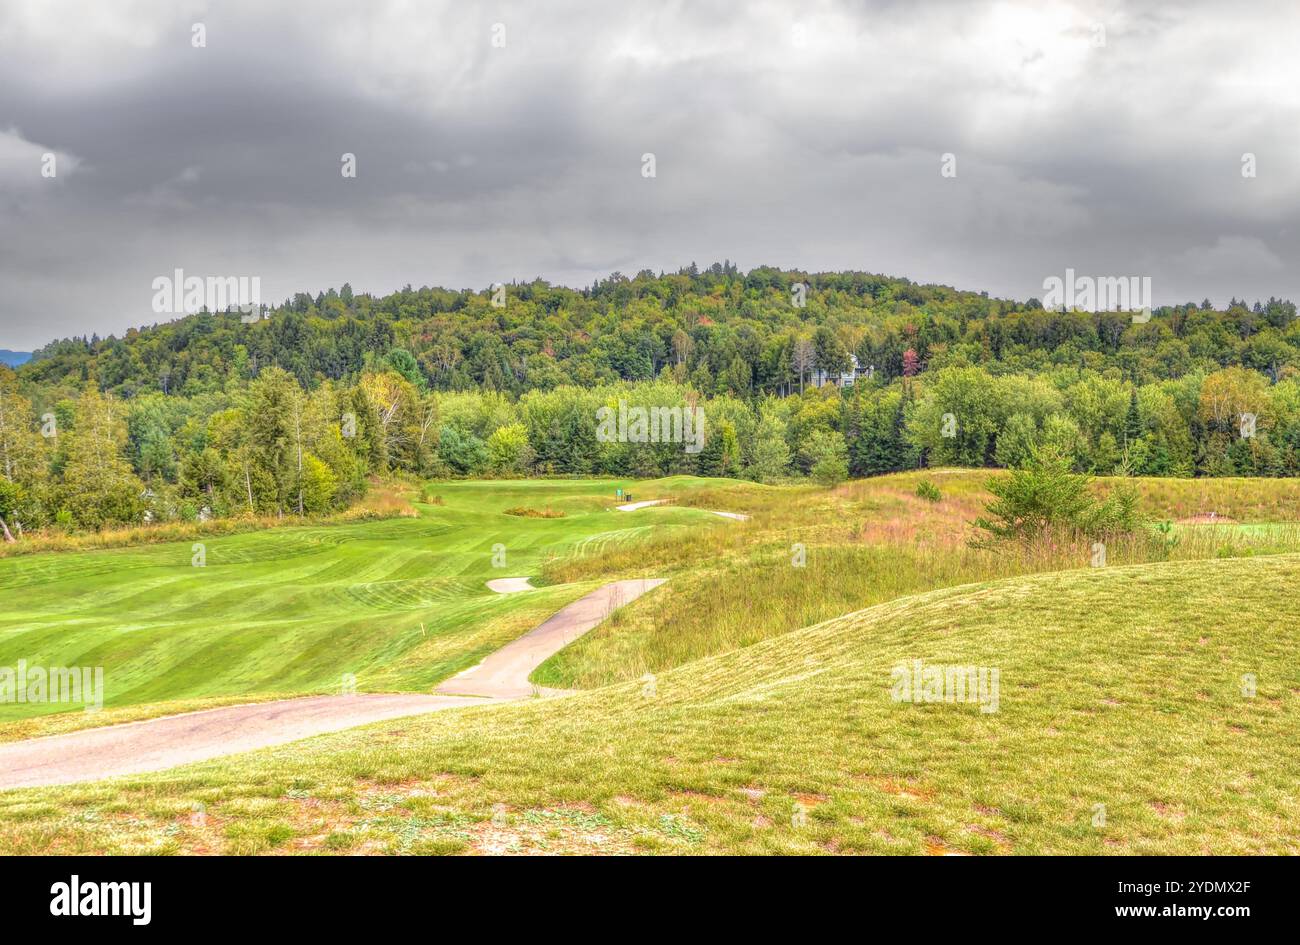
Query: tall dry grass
809	554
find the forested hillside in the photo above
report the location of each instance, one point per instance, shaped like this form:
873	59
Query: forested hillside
720	329
209	415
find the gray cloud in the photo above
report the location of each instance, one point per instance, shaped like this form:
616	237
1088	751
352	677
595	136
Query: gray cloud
805	135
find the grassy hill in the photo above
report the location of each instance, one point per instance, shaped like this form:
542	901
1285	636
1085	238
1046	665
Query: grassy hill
1121	687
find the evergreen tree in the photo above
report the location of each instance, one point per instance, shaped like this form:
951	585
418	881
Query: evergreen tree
1132	420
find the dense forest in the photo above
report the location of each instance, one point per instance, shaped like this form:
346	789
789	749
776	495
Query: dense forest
213	415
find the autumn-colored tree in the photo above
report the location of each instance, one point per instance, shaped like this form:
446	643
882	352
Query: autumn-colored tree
911	363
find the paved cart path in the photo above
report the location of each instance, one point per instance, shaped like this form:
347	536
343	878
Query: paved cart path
504	674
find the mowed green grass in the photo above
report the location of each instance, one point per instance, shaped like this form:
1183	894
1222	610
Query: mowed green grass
1150	709
400	603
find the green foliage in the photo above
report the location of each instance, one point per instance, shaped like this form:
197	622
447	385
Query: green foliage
957	418
464	453
508	450
1045	497
220	415
828	457
273	430
725	331
875	421
404	363
12	498
927	490
771	454
1017	441
23	456
721	453
99	487
318	484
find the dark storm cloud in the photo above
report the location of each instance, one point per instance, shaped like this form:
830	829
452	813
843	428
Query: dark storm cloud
803	135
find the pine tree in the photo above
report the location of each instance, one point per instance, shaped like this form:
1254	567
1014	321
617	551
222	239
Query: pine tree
1132	420
274	419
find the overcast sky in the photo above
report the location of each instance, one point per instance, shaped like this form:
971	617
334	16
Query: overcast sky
1106	137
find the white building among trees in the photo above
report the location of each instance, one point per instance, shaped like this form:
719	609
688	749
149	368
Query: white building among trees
821	378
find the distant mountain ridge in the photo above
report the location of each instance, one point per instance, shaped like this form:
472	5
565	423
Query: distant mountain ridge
14	358
763	332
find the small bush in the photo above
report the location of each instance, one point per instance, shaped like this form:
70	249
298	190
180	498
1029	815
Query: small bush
1046	496
928	490
1163	540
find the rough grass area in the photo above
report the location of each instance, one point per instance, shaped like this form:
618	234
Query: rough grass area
524	511
1123	687
808	554
1235	499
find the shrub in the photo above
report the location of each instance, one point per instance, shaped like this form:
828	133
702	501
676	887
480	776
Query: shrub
1163	540
1046	496
464	452
928	490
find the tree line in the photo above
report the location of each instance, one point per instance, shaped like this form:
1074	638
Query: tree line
268	446
212	416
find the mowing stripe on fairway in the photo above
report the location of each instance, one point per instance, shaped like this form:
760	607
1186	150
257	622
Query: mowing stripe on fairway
157	744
